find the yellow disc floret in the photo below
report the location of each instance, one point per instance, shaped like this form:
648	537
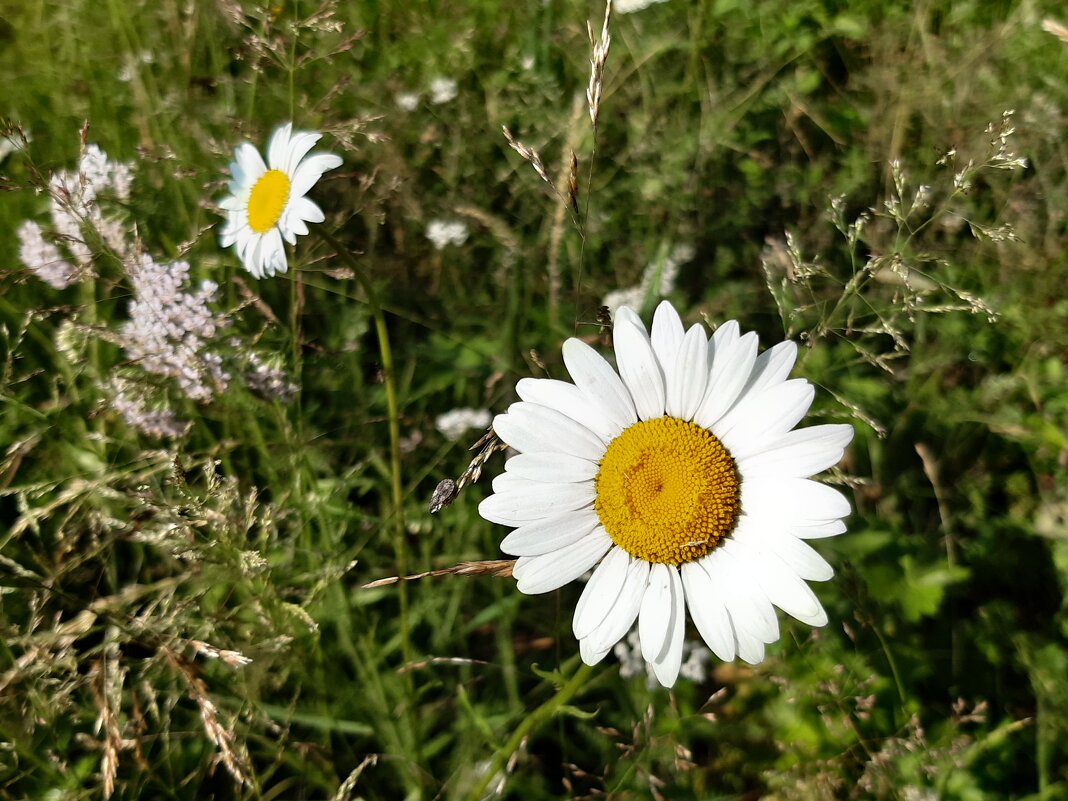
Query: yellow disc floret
267	200
667	491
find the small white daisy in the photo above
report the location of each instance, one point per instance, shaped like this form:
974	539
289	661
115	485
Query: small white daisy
442	90
455	423
680	481
267	202
446	232
407	101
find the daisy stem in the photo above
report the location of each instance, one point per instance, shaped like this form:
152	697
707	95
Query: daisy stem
393	410
539	716
294	323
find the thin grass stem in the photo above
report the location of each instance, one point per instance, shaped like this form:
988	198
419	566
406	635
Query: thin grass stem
393	410
537	717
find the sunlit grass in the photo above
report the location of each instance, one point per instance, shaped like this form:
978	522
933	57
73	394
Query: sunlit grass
771	153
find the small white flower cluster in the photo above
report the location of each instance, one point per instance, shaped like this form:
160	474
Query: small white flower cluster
74	202
266	381
156	423
169	329
133	64
695	659
454	424
446	232
913	793
42	257
668	272
407	101
442	90
74	208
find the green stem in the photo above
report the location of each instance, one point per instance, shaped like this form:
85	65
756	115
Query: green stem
539	716
390	380
294	322
292	66
902	694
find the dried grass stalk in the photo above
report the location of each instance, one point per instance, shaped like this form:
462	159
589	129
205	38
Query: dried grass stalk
499	568
531	155
597	62
448	490
233	756
1052	26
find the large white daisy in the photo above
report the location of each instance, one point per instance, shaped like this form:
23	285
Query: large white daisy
267	202
680	481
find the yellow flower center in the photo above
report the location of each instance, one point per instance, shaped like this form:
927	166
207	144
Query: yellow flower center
667	491
268	198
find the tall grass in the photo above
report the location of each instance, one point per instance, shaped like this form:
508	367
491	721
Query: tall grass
186	616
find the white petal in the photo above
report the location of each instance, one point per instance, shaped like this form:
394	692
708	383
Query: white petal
750	648
538	574
599	382
792	500
638	366
731	367
306	209
751	426
590	656
512	482
271	253
250	163
601	592
244	239
557	468
237	176
689	376
517	508
228	236
292	225
772	367
277	147
708	611
666	669
531	427
311	170
655	617
569	400
782	586
800	453
726	334
251	256
506	482
277	252
666	338
239	189
245	249
288	234
798	556
299	145
550	533
621	616
751	611
818	531
233	203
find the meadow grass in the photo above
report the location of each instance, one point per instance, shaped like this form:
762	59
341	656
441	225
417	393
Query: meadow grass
187	616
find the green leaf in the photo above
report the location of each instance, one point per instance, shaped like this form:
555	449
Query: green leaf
923	588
